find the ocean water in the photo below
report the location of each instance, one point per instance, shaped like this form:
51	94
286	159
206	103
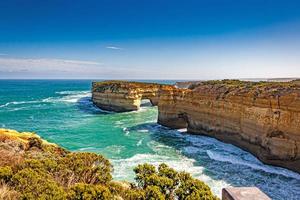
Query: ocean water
62	112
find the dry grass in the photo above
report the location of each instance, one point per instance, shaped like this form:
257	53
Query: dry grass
7	193
9	158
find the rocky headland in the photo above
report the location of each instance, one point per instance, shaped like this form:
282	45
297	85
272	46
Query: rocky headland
260	117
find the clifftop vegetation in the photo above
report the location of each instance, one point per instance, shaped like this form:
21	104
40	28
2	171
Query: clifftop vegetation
31	168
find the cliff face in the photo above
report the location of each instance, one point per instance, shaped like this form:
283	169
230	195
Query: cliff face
262	118
123	96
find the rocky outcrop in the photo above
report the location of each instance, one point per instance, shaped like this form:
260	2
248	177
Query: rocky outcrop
260	117
123	96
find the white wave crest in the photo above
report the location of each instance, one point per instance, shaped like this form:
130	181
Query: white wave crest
123	168
17	103
70	92
126	131
143	131
258	166
70	98
139	142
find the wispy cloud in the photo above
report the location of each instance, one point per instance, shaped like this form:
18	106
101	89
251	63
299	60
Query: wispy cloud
3	54
59	68
46	65
114	48
44	62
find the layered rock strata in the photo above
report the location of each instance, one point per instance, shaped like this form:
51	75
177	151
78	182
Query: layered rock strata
260	117
123	96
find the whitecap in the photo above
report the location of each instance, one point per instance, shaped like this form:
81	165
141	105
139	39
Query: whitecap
126	131
70	98
139	142
115	149
68	92
87	149
17	103
143	130
258	166
123	168
182	130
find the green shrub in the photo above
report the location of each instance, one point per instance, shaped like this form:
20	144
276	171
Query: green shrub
87	168
166	183
154	193
5	173
194	189
142	172
82	191
37	185
50	172
43	165
134	194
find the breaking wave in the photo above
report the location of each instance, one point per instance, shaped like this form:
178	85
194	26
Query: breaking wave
123	168
67	96
254	165
18	103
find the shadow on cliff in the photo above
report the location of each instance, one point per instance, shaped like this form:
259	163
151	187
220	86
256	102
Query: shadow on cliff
220	161
86	105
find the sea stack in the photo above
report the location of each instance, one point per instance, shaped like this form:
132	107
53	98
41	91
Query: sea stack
122	96
260	117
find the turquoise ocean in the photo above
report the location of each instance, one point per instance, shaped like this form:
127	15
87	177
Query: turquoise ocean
61	111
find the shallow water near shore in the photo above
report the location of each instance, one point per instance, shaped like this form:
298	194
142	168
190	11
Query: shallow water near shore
62	112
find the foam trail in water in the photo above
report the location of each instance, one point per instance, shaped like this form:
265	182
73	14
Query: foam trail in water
126	131
139	142
68	92
70	98
17	103
238	161
143	131
123	168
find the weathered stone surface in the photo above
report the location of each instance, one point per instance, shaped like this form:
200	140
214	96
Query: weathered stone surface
262	118
123	96
243	193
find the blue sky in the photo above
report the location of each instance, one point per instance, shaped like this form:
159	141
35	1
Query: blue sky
149	39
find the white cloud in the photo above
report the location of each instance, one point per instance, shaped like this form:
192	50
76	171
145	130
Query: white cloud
113	48
60	68
47	66
44	63
3	54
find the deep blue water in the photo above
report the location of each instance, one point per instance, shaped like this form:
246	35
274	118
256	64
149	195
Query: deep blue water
62	112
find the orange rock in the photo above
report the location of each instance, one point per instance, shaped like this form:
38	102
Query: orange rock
260	117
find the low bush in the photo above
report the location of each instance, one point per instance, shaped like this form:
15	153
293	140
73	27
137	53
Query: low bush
82	191
166	183
37	185
5	174
53	173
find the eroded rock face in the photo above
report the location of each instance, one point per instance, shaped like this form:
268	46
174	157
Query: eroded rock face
262	118
123	96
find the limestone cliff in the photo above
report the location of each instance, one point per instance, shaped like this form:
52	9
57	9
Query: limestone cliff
123	96
260	117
